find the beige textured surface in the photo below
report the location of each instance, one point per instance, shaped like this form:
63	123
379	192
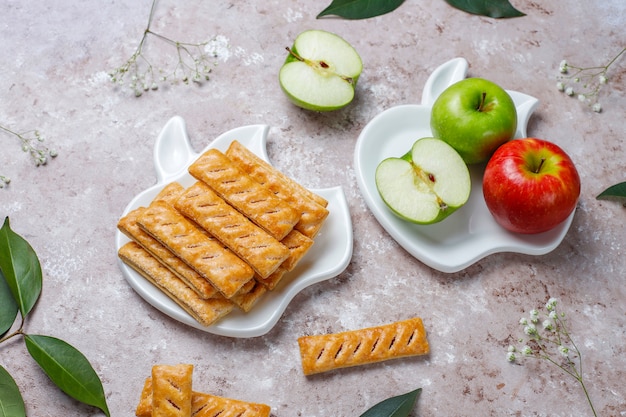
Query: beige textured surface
54	78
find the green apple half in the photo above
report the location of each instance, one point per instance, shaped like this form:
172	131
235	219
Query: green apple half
427	184
321	71
475	116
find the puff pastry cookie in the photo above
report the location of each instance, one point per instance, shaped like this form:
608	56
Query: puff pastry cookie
204	311
204	405
171	390
251	243
311	206
359	347
219	266
255	201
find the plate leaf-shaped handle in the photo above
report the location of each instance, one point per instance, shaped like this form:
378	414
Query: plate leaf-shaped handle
443	77
172	150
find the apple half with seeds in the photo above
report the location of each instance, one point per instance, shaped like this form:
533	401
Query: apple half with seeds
321	71
427	184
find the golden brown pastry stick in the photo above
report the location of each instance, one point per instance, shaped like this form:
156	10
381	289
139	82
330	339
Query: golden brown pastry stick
248	296
204	311
255	201
251	243
359	347
171	390
170	193
144	407
206	405
245	157
221	267
311	206
298	245
128	225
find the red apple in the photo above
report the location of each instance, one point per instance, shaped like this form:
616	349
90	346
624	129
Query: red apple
530	185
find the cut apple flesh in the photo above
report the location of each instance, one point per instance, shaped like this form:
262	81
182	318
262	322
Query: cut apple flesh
426	185
321	71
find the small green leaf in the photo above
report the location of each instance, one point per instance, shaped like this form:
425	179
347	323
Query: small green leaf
399	406
21	269
491	8
617	190
360	9
68	369
8	307
11	402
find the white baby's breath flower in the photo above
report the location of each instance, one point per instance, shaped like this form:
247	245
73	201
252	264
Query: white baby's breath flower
582	98
569	91
597	107
527	351
602	79
530	329
564	351
563	67
510	356
560	86
547	324
523	321
551	304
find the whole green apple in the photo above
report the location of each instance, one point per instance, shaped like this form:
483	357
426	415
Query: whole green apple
475	116
321	71
530	185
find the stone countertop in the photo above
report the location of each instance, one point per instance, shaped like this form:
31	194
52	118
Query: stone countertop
56	57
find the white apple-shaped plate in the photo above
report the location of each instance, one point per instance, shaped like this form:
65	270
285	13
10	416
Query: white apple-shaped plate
327	258
470	233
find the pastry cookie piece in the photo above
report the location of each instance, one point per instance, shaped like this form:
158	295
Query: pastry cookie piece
226	271
311	206
298	245
359	347
204	311
247	297
171	390
255	201
129	226
251	243
207	405
144	408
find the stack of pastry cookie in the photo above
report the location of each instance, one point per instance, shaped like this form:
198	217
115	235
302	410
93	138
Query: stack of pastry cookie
168	393
227	239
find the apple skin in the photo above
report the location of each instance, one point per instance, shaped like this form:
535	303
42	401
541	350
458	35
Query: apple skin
475	116
530	185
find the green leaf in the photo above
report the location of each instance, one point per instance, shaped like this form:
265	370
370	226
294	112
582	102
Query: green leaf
399	406
11	402
360	9
617	190
68	369
490	8
21	269
8	307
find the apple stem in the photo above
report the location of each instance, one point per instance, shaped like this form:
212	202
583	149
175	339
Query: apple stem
482	102
540	165
298	57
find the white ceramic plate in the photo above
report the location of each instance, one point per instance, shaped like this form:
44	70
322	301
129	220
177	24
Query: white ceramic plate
327	258
470	233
